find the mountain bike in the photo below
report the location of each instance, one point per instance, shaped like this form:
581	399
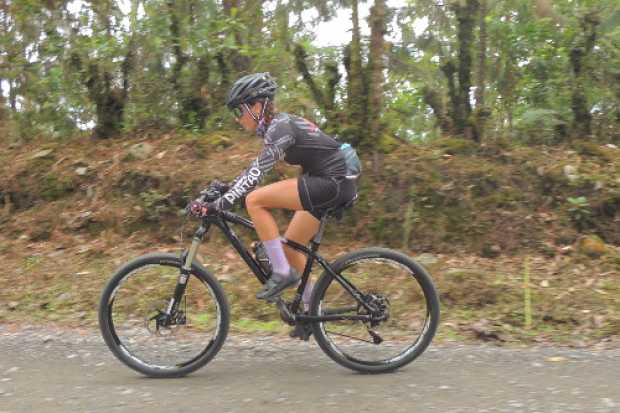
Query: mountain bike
165	315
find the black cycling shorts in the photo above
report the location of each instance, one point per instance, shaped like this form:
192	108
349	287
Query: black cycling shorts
319	193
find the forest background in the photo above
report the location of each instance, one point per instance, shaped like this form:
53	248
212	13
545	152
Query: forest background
489	132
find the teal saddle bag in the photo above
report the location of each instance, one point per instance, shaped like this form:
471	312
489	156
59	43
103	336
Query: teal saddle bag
354	166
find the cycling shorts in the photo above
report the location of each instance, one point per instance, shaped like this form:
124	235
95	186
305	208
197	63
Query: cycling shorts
320	193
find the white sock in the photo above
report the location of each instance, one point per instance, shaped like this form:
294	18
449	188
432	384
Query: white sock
277	258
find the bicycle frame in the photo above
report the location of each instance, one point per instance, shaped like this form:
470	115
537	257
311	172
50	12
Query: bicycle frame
222	221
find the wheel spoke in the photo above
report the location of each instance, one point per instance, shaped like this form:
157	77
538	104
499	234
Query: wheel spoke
155	342
400	325
351	337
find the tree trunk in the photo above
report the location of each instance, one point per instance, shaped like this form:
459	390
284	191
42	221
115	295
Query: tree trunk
449	70
193	102
356	99
7	33
302	67
324	98
433	99
223	69
109	100
12	96
3	111
465	34
5	30
333	78
282	26
238	62
482	113
375	69
253	16
128	63
579	56
185	115
507	81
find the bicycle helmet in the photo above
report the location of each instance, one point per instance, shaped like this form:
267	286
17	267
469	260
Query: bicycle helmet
251	87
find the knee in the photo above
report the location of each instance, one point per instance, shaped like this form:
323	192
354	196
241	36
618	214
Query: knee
252	201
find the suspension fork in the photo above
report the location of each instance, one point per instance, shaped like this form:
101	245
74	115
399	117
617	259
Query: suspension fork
187	257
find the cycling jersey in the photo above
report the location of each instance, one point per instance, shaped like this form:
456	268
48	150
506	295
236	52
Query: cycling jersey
297	141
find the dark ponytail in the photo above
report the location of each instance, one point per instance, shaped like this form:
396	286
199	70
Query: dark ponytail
269	110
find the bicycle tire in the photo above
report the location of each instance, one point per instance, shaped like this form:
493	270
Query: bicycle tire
111	339
425	282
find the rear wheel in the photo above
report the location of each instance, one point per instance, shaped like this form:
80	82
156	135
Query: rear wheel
404	319
136	328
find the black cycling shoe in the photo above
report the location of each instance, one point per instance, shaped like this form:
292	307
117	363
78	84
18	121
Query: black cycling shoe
301	331
273	288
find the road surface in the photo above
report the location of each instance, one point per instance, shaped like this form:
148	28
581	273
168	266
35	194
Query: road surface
44	370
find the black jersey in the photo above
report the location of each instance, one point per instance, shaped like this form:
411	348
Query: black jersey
297	141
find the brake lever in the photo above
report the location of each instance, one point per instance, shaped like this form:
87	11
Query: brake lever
209	195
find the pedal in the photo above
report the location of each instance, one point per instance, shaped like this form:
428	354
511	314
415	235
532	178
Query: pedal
376	338
301	331
285	312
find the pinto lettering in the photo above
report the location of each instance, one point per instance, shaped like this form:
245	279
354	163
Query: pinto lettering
245	184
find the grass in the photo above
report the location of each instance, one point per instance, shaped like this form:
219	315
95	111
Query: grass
47	289
245	325
527	297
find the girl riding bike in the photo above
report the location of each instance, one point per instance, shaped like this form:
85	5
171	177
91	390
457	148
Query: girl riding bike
326	180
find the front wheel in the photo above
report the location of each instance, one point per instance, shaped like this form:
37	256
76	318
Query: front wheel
136	324
404	316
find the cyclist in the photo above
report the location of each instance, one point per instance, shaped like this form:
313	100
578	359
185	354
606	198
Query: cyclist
325	181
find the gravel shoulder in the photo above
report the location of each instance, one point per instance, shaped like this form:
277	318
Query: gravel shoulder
69	370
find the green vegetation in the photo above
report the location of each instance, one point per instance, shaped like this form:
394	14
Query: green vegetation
536	72
495	146
579	211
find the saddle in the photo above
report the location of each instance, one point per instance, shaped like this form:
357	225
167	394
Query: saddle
338	211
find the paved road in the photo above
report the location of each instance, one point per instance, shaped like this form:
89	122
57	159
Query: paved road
65	371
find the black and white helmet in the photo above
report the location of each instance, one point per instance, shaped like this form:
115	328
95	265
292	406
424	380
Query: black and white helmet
251	87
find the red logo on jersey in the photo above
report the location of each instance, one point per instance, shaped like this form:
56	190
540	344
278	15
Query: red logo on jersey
314	128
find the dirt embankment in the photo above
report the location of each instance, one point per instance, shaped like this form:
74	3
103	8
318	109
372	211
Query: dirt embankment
483	217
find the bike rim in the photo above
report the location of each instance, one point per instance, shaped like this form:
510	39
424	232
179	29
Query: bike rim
402	333
135	300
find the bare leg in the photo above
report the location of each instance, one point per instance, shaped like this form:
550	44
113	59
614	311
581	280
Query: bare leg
302	228
283	194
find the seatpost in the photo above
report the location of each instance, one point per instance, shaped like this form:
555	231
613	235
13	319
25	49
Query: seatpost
316	241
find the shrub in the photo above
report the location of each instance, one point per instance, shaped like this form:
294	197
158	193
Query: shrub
541	126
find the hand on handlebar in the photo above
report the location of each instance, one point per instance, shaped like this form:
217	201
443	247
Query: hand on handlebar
215	190
205	204
201	209
219	186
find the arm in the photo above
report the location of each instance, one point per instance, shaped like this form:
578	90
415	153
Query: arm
277	140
